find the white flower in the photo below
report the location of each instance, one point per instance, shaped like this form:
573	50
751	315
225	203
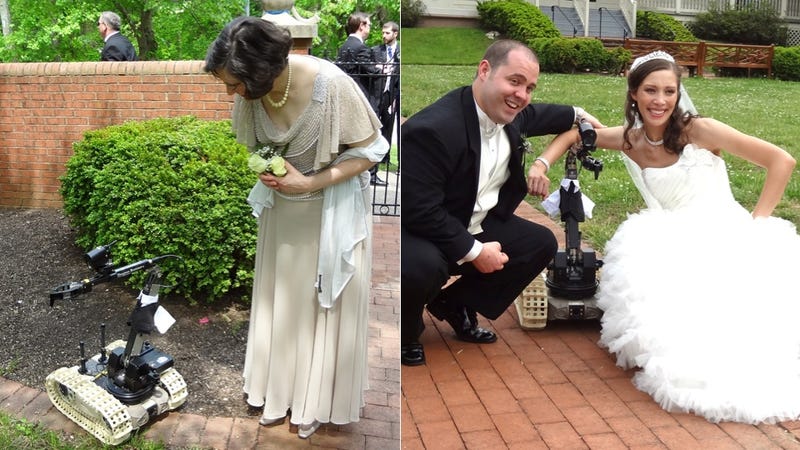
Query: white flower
268	159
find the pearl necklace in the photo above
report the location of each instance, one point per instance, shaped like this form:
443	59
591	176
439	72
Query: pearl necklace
653	143
280	104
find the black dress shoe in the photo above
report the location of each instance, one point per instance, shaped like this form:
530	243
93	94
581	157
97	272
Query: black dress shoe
412	354
464	322
376	181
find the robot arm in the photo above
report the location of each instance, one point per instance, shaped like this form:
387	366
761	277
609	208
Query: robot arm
99	259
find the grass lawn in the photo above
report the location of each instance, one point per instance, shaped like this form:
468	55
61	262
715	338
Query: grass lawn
20	434
456	46
761	107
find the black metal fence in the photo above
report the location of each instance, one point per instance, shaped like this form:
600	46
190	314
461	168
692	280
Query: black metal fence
381	85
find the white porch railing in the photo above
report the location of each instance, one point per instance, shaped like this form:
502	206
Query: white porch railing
786	9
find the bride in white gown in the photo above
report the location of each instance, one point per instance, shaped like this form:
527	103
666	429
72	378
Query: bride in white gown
697	292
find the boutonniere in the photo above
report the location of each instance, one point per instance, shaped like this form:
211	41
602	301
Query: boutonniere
268	158
526	145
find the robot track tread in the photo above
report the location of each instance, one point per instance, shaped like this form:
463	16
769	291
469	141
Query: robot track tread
96	410
90	406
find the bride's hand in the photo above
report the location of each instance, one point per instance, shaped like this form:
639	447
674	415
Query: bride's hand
293	182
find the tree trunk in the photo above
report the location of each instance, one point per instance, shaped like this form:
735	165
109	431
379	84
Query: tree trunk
5	17
142	29
146	37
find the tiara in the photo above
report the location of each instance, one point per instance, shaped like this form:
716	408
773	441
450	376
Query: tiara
658	54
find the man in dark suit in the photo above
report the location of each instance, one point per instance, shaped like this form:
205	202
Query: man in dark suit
463	178
117	47
387	89
355	58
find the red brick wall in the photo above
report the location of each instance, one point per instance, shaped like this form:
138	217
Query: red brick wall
46	107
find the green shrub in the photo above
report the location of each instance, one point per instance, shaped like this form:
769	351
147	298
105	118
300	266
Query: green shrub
570	55
661	27
752	24
786	63
166	186
516	19
410	12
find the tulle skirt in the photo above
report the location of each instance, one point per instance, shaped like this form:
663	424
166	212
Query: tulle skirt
707	304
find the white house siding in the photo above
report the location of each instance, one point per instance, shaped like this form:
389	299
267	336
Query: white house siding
452	8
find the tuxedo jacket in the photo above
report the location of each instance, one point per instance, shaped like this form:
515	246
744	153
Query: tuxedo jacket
441	166
355	58
118	48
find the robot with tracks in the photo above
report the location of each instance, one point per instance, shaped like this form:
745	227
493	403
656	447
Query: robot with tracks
565	290
128	383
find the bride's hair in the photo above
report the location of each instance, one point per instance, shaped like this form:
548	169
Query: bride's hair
674	139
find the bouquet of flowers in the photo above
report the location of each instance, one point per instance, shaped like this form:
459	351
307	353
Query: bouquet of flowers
268	159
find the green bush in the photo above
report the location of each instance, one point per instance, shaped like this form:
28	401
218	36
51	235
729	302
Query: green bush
410	12
786	63
661	27
166	186
516	19
752	24
570	55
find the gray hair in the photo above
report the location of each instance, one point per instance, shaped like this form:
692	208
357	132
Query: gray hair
111	19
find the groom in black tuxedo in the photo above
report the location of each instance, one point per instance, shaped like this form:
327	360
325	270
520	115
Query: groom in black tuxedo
462	179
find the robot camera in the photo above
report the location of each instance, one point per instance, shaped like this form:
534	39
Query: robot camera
588	145
99	258
588	135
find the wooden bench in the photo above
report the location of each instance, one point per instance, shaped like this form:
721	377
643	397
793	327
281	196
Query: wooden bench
685	53
697	55
739	56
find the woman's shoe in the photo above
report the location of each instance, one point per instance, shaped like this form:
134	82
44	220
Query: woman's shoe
305	431
264	421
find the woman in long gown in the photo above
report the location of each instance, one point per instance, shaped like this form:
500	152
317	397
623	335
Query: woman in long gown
307	341
697	292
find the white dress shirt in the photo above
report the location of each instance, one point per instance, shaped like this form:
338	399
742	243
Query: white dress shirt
495	155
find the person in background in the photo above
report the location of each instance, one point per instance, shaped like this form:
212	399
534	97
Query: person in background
696	290
355	58
387	89
116	47
462	181
306	353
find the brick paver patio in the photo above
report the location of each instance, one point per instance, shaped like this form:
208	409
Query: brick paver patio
549	389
